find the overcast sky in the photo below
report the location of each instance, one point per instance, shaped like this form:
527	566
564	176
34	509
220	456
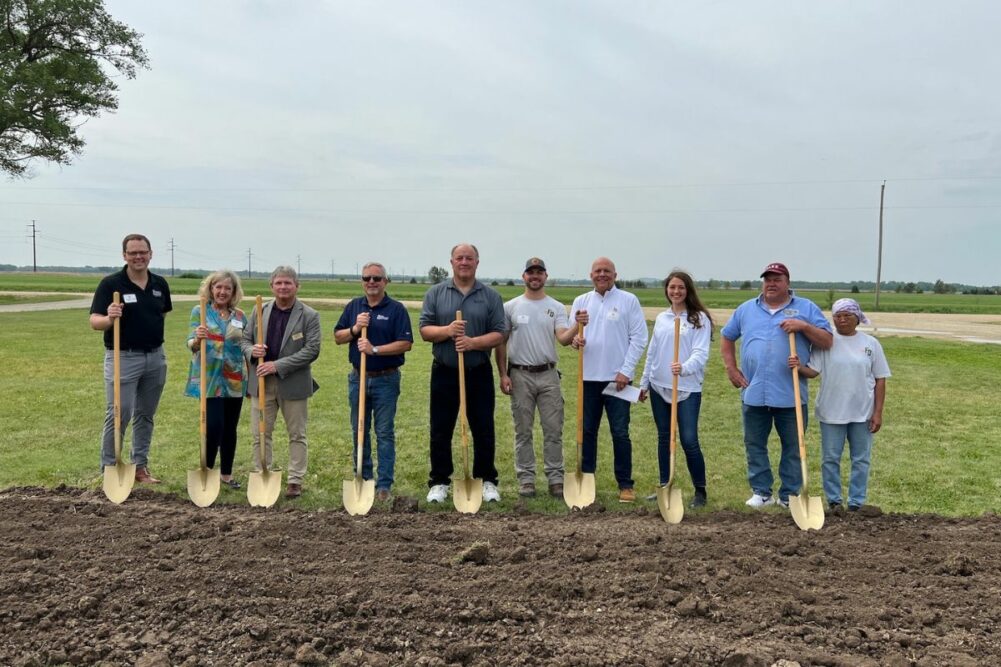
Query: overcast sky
713	136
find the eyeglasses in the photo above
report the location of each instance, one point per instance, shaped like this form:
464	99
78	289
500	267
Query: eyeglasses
137	253
372	279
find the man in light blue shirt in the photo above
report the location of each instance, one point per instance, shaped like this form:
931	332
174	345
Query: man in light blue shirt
764	323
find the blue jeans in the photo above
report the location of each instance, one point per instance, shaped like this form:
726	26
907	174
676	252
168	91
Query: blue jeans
688	433
758	422
380	406
618	423
832	444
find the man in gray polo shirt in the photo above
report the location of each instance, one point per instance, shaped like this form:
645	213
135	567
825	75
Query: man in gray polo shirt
526	363
480	330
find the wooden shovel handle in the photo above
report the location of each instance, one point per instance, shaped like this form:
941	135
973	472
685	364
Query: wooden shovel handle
674	388
116	364
260	388
202	386
361	406
799	408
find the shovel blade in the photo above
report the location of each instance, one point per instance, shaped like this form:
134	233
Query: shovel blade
468	495
118	481
578	490
203	486
358	495
807	512
670	503
263	488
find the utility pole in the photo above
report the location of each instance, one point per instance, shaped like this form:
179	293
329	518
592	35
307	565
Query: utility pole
298	264
879	253
249	255
34	252
331	269
172	246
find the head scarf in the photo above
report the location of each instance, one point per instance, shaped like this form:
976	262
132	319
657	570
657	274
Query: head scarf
849	306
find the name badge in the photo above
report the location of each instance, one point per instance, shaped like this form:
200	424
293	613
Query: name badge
236	324
157	293
522	319
297	335
130	298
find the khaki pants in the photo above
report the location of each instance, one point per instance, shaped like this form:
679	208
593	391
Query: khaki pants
295	413
528	391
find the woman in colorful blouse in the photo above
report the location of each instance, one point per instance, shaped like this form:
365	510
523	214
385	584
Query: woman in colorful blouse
226	375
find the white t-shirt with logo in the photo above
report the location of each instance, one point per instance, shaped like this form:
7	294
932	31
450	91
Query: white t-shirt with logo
848	372
531	326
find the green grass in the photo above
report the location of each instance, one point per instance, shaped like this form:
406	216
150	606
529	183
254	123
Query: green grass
18	299
651	296
936	453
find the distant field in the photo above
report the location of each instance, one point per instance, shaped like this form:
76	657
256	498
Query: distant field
889	301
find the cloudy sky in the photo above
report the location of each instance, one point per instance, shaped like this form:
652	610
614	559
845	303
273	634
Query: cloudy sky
714	136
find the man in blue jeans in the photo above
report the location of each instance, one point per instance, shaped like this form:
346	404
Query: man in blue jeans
388	338
765	380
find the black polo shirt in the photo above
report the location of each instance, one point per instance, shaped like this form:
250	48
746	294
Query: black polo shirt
388	323
143	310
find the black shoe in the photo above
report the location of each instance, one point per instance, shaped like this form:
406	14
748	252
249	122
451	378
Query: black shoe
699	500
854	508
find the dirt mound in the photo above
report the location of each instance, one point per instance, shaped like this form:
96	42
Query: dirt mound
160	582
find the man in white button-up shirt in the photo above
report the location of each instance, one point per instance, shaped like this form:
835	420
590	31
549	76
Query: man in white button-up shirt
616	335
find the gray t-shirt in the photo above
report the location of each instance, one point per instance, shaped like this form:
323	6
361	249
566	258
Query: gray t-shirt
531	325
482	309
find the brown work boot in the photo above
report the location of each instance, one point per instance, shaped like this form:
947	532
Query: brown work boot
143	476
526	490
293	490
556	490
627	496
382	495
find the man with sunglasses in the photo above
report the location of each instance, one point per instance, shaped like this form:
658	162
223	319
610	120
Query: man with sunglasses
526	363
388	338
145	300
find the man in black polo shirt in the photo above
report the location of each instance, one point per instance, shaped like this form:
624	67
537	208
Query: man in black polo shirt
388	338
480	330
145	300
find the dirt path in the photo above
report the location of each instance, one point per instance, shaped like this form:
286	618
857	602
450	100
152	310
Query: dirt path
157	581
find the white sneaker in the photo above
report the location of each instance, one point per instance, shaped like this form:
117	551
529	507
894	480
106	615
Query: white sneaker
757	501
438	493
490	492
782	503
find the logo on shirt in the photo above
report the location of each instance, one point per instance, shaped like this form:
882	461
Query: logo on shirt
381	317
551	313
157	293
868	352
791	312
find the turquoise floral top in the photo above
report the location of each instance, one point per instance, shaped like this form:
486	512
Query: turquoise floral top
225	368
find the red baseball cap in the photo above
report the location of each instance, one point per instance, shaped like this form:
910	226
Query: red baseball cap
776	267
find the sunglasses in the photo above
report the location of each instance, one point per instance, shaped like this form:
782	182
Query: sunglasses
372	279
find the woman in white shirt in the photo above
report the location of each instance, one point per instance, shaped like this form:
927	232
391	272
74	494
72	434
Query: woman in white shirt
850	402
659	371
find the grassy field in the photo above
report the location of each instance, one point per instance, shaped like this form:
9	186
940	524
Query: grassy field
936	453
651	296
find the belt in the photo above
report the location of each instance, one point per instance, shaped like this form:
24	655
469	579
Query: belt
534	369
376	374
143	350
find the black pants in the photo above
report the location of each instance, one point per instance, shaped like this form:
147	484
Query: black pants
479	413
221	418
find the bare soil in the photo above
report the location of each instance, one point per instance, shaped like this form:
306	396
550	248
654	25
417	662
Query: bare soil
157	581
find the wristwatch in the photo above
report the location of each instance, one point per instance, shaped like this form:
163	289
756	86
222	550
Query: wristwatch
375	351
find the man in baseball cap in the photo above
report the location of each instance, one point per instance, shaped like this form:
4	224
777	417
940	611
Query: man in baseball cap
765	381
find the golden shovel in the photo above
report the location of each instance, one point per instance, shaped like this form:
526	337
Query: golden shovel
468	494
264	487
669	500
358	494
119	478
578	488
203	483
807	512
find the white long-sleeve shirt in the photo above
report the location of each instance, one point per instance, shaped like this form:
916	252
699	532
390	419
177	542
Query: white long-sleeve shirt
616	333
693	353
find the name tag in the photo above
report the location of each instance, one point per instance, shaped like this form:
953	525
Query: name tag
522	319
297	335
129	298
157	293
236	324
791	312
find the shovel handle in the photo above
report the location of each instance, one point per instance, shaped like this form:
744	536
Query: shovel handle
674	396
202	400
263	459
361	407
580	397
799	408
462	407
116	363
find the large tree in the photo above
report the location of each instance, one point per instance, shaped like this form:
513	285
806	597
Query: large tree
57	60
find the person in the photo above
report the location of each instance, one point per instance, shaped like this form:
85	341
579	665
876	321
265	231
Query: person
479	331
388	338
225	367
292	337
526	365
765	380
660	370
145	301
613	342
850	401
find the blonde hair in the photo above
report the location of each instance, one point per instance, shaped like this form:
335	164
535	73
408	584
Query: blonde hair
205	290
